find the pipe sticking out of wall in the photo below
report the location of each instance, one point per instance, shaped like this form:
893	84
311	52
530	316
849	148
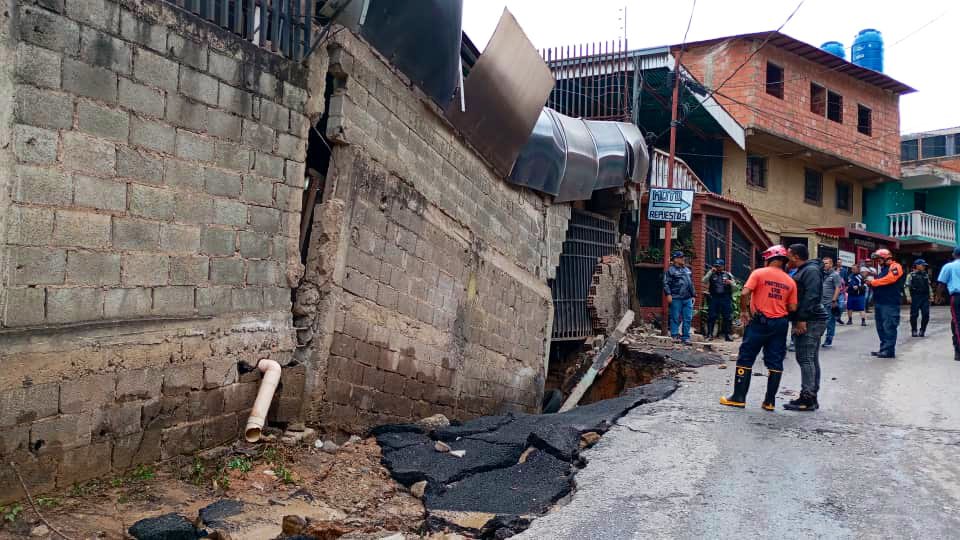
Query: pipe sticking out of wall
268	385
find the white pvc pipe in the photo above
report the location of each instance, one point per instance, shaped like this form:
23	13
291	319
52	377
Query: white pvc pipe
271	376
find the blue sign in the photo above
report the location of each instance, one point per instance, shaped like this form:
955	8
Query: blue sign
670	205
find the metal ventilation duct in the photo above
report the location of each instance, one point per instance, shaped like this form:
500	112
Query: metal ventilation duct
571	158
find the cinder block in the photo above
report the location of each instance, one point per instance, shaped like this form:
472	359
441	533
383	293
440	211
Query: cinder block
204	404
25	307
227	212
100	194
268	166
30	226
218	242
117	419
99	49
223	125
93	268
43	186
257	190
86	154
38	266
155	70
152	135
214	300
294	174
189	270
137	30
224	68
237	397
258	136
134	163
135	234
235	100
136	449
124	303
291	147
102	14
194	147
289	199
266	220
35	145
219	372
38	66
87	393
103	122
61	432
193	208
150	202
262	273
173	300
299	124
28	404
141	98
185	113
137	384
85	80
220	430
43	108
189	52
277	298
181	440
145	270
294	97
74	305
49	30
179	238
226	271
248	300
254	245
232	156
81	229
182	174
199	86
220	182
268	85
275	116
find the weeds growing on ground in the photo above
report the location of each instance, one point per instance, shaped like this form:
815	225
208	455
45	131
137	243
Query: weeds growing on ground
11	513
241	464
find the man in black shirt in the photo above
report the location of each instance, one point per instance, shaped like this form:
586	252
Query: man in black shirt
918	296
809	324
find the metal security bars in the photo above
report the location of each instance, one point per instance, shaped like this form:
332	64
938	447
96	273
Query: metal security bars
589	237
594	80
281	26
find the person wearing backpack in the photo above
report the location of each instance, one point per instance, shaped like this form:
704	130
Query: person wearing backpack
918	296
856	295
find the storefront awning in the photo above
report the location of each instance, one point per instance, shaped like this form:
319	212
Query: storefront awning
847	232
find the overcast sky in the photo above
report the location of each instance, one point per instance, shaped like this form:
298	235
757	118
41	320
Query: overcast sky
924	57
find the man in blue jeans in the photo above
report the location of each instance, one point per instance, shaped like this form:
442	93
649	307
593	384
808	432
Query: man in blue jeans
887	288
678	287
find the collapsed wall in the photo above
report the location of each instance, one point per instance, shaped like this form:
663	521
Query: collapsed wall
432	296
151	239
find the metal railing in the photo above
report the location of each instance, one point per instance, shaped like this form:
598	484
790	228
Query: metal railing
683	175
917	223
281	26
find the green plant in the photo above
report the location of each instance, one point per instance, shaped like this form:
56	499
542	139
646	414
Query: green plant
11	513
198	471
284	474
271	454
241	464
142	473
86	488
221	480
48	502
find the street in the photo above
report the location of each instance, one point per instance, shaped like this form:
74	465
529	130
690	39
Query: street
878	460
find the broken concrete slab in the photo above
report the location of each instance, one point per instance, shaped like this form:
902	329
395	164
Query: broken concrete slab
216	515
527	488
422	462
165	527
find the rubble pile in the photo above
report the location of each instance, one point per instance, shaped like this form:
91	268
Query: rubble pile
500	471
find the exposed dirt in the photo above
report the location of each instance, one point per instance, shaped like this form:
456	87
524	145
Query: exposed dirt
271	480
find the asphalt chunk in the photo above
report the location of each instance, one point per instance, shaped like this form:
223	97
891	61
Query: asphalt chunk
165	527
412	464
484	424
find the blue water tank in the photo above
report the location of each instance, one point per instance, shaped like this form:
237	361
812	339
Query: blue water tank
835	48
868	50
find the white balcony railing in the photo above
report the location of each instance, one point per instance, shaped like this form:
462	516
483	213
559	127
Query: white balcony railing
917	223
683	176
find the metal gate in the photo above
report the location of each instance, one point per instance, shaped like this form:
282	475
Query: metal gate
716	242
741	256
589	237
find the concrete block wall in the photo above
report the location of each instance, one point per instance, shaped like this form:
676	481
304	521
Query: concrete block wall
442	302
151	214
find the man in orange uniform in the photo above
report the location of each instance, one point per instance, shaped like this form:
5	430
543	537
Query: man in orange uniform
767	298
887	288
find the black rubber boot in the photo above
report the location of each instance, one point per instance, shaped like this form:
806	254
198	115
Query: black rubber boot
773	384
741	385
806	403
710	327
913	333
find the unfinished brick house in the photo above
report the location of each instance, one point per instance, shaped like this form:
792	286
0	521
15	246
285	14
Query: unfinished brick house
157	238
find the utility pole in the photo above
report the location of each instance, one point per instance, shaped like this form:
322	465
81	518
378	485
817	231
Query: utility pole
671	162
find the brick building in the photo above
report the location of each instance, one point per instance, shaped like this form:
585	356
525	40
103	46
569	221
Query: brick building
152	171
819	131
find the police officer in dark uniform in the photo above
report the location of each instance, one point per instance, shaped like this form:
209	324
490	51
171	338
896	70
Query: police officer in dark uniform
720	285
918	296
